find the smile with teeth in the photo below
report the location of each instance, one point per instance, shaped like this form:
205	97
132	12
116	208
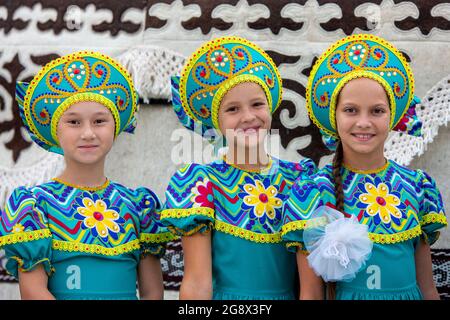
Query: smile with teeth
252	130
363	136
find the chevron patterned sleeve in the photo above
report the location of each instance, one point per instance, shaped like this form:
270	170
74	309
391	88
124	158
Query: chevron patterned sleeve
304	198
154	236
189	206
24	234
431	211
308	168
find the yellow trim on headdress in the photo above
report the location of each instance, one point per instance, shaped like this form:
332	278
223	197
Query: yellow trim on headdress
84	97
330	51
355	75
85	93
192	61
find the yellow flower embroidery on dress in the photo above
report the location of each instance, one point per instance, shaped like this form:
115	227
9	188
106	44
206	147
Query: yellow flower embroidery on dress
99	217
263	201
18	228
381	202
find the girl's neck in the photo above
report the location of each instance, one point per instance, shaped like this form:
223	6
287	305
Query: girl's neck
364	162
249	159
85	175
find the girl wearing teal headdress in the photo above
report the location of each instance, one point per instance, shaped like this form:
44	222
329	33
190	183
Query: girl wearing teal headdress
364	224
82	236
228	212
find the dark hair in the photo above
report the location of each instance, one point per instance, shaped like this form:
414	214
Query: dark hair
339	194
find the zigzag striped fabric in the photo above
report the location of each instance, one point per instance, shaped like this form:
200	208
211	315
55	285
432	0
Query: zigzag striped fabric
111	221
241	203
396	203
243	210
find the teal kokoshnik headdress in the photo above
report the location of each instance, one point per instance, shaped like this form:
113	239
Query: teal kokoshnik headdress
77	77
215	68
361	56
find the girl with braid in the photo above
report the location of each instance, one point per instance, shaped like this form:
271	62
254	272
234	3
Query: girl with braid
386	216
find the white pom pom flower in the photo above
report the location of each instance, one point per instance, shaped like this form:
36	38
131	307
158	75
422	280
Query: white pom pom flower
338	246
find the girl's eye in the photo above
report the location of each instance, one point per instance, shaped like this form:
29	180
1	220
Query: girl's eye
349	110
258	104
379	111
231	109
73	122
100	121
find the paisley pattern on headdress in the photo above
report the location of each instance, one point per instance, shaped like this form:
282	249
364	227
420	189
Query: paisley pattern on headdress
77	77
357	56
217	67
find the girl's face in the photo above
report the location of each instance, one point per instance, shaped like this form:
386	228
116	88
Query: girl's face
362	117
86	132
244	116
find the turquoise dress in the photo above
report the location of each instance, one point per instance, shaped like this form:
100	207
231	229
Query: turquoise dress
396	203
243	210
89	241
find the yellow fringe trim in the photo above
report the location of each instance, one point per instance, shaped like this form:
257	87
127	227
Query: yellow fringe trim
97	188
21	263
94	248
294	244
183	213
300	247
157	238
378	238
396	237
246	234
434	218
183	233
25	236
147	252
302	224
371	171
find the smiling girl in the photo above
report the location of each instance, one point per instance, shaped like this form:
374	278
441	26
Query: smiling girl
228	212
82	236
358	90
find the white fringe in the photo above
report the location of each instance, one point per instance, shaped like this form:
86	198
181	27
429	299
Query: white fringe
40	172
151	68
434	111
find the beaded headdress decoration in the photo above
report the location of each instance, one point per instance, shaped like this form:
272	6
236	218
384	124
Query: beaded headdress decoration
215	68
77	77
356	56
